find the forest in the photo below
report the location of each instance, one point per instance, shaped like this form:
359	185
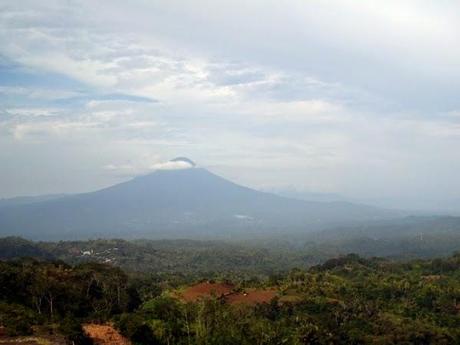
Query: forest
345	300
401	240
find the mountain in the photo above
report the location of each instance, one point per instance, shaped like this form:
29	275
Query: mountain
23	200
291	192
188	203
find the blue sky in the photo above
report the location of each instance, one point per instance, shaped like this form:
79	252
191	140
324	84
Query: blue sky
357	98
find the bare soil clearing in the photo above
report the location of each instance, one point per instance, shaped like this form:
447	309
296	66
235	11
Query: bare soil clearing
206	290
105	335
226	291
252	297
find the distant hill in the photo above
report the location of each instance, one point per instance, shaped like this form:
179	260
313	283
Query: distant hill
16	247
186	203
407	238
415	226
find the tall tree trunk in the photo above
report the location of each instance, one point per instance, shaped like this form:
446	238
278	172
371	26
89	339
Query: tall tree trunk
51	300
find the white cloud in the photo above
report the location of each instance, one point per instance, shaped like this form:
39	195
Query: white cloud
333	95
172	165
33	111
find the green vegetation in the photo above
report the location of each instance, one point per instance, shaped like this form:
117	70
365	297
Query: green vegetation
50	294
261	258
346	300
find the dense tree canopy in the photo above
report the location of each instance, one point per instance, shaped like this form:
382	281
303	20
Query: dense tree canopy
346	300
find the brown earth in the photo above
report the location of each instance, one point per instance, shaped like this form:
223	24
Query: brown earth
105	335
227	292
252	297
206	289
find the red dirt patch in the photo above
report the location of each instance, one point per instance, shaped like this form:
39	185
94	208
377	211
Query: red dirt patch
226	291
251	297
105	335
206	290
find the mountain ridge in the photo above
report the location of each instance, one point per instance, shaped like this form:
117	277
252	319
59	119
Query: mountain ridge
176	203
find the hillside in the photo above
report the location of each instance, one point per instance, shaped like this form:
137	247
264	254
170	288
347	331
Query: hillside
346	300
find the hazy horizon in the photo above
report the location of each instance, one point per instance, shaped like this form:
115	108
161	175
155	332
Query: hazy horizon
357	99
